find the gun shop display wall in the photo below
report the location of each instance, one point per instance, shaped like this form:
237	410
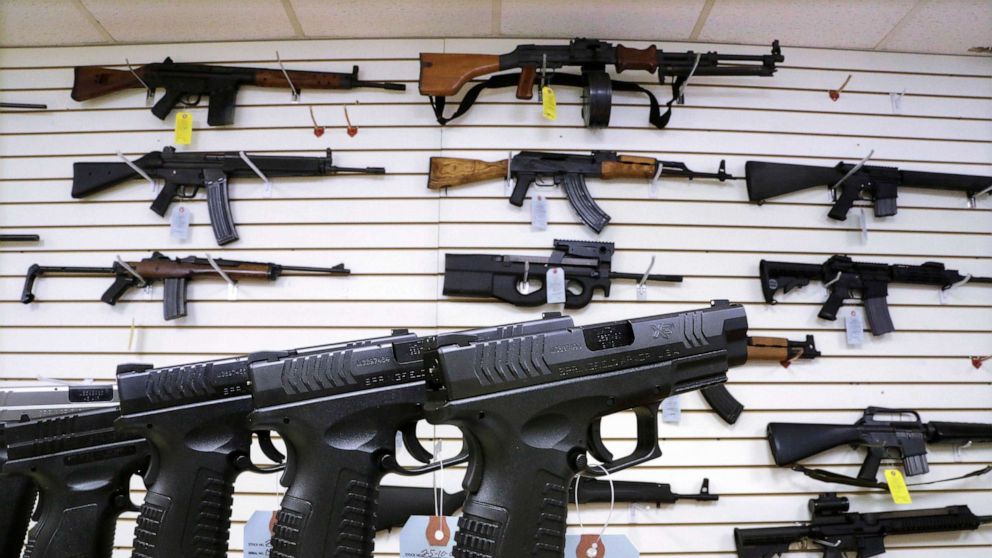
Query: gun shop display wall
307	209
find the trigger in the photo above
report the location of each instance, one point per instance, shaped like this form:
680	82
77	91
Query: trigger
473	475
413	445
268	448
596	446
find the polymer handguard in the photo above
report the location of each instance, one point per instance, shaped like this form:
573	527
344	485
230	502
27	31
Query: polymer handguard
838	531
82	467
851	183
186	172
339	409
586	264
904	440
188	83
529	408
845	277
568	170
194	417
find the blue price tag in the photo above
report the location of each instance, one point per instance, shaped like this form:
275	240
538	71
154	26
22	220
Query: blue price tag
258	534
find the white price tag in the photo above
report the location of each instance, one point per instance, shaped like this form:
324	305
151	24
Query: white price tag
896	100
863	220
179	223
671	410
642	292
855	326
258	534
539	212
554	285
232	291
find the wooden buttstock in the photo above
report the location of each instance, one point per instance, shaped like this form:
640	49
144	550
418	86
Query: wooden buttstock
93	81
451	171
629	167
302	80
442	74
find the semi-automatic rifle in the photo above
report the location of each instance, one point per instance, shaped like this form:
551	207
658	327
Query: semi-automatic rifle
843	277
25	403
175	275
444	74
901	439
188	83
850	183
567	170
837	531
185	173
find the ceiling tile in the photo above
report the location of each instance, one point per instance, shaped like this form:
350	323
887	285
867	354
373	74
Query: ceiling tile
622	19
45	22
191	20
944	26
812	23
395	18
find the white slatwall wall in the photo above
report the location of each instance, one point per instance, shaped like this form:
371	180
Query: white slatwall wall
392	232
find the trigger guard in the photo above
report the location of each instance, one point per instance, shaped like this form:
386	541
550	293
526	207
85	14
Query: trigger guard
596	446
647	444
413	445
430	466
268	448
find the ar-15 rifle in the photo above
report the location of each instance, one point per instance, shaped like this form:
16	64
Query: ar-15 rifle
22	404
568	170
838	531
19	238
175	274
398	503
878	184
188	83
905	440
544	395
83	469
444	74
843	276
185	173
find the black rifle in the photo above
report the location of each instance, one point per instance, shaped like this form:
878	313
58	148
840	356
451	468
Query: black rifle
878	184
398	503
905	440
444	74
568	170
844	276
185	173
24	106
837	531
586	264
19	238
339	409
188	83
83	469
22	404
174	273
530	407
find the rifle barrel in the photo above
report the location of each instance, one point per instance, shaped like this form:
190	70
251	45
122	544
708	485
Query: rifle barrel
652	277
19	238
382	85
339	269
359	170
23	106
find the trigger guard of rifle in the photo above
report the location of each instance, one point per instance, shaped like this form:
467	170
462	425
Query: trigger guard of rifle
187	102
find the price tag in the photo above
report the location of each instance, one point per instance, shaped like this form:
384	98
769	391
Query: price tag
179	223
671	410
539	212
642	292
232	291
554	285
854	324
550	104
863	219
258	534
132	333
184	128
897	487
594	546
430	536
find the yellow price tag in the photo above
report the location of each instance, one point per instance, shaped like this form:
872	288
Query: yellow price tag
897	487
550	103
184	128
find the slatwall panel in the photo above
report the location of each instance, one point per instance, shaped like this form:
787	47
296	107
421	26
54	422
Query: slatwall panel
393	233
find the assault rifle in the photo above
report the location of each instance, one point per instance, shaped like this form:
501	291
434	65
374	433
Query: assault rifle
83	469
185	173
567	170
838	531
174	273
188	83
905	440
843	276
19	238
444	74
850	183
21	404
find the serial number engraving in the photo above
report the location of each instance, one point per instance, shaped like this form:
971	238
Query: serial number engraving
565	348
373	361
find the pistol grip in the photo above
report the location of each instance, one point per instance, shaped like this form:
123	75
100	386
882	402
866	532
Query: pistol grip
219	206
849	193
838	293
168	102
17	497
81	524
520	187
525	87
164	198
